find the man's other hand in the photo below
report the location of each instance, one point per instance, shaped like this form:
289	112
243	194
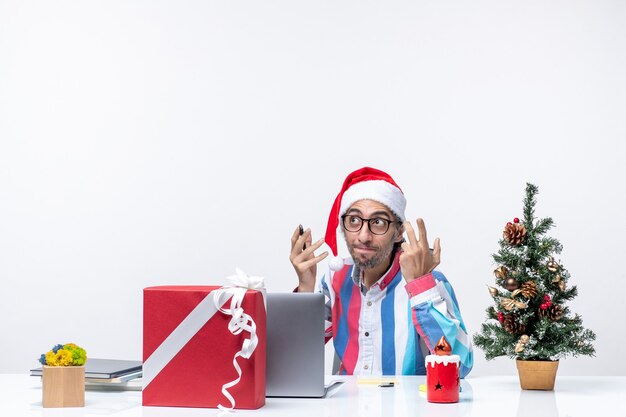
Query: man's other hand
303	260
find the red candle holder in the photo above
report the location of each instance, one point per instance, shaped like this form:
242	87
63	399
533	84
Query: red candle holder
442	378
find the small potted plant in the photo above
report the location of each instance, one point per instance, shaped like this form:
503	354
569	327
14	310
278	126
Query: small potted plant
530	321
63	376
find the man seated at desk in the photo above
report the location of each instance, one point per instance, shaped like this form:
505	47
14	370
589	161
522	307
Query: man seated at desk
386	305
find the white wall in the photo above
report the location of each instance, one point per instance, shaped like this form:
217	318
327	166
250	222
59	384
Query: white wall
146	143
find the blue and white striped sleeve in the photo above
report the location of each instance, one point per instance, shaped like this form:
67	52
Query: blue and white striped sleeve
435	313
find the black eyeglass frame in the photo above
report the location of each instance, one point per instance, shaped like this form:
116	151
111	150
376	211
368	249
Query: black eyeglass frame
369	226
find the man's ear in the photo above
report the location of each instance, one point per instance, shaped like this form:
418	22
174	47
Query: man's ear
400	237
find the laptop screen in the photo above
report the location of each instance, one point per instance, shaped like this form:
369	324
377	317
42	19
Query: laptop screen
295	345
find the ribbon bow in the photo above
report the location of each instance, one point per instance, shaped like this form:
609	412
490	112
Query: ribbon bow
243	280
240	321
509	303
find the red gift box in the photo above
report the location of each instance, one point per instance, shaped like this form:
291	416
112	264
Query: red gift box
188	349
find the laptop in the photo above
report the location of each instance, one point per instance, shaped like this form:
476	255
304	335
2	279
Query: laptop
295	345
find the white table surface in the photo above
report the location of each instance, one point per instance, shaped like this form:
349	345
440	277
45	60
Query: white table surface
20	395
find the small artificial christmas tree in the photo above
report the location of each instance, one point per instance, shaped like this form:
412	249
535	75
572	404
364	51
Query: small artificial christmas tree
530	320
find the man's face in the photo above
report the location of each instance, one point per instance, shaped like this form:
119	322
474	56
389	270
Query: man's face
367	249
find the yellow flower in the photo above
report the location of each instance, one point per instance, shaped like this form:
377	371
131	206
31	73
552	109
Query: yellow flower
51	358
61	358
64	357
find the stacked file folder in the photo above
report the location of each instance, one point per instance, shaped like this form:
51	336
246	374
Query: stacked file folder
109	374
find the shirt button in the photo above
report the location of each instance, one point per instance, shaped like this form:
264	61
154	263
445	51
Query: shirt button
367	333
369	303
366	367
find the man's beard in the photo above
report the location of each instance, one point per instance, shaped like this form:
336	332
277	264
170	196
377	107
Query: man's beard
382	254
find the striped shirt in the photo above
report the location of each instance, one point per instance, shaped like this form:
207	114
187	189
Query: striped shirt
390	328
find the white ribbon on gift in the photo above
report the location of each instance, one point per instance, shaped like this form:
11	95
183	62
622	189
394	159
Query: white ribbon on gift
199	316
240	321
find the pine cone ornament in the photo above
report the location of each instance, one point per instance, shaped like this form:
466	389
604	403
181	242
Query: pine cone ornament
514	233
529	289
553	312
511	324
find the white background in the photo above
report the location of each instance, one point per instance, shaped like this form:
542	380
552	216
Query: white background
167	142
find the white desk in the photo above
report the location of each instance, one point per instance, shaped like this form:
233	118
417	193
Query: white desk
20	395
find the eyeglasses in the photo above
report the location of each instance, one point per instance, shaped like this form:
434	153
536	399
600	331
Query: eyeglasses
376	225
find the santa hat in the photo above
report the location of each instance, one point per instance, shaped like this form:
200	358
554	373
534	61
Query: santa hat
363	184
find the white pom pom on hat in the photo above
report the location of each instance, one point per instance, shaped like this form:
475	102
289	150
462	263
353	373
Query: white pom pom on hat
335	263
363	184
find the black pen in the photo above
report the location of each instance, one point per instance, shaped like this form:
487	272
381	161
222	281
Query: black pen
301	229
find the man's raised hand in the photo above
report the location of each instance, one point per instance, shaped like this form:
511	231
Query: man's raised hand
416	259
304	261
